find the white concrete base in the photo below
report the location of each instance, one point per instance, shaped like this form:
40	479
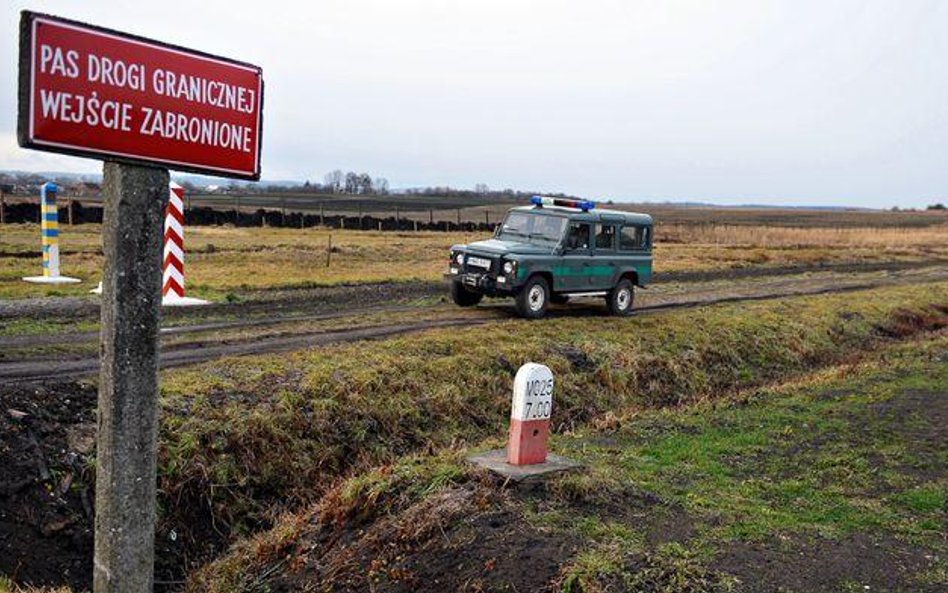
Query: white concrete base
495	461
52	280
167	301
176	301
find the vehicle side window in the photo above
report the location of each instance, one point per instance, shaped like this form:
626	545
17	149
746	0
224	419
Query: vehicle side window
634	237
578	237
605	236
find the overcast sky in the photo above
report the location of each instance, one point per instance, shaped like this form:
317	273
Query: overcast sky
796	102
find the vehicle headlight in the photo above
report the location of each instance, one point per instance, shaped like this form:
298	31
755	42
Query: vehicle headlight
459	258
509	267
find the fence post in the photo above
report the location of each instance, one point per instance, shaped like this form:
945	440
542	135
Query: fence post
321	214
329	250
3	208
430	215
459	217
283	215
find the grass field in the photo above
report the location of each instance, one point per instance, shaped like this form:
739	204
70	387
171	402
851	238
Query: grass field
227	261
731	428
785	444
684	419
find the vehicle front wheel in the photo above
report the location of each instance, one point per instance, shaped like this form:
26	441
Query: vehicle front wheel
619	300
533	298
463	297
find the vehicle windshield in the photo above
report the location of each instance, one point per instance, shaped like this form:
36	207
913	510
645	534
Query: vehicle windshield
530	227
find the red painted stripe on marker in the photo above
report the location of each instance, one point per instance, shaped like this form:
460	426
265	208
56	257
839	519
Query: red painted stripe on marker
171	285
527	443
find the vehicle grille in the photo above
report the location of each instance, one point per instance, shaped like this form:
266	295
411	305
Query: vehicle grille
492	268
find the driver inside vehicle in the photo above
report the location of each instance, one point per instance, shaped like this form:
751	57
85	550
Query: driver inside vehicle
578	237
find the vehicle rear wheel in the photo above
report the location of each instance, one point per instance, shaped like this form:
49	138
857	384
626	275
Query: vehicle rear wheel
619	300
533	298
463	297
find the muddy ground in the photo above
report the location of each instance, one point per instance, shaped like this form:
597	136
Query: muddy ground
47	446
277	321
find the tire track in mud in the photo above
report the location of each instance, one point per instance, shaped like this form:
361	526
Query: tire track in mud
353	298
201	351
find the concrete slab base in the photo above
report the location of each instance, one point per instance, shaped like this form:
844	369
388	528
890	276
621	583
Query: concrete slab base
52	280
176	301
168	301
496	462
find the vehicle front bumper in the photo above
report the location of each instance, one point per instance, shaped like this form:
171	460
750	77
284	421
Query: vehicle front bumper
483	282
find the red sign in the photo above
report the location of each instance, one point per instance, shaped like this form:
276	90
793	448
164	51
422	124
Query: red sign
98	93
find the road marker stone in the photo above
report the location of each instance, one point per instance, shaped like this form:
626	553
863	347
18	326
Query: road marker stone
526	455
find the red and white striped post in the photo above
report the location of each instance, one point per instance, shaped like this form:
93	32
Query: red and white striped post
530	415
172	268
172	279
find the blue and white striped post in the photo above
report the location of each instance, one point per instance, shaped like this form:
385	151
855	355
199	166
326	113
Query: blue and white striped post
49	225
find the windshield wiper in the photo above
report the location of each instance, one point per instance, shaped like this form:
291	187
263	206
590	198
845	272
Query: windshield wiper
539	236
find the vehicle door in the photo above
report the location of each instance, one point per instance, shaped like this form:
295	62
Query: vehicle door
634	250
576	259
602	270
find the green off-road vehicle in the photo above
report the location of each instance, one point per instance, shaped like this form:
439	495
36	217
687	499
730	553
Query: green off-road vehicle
554	250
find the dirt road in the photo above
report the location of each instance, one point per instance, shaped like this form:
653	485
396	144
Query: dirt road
332	315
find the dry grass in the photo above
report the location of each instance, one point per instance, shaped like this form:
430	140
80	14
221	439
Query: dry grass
241	434
8	586
772	236
222	260
766	463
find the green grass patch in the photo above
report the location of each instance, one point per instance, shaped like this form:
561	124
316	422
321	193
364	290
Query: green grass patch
18	326
812	458
241	434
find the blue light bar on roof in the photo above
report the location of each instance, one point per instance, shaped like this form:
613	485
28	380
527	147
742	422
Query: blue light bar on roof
584	205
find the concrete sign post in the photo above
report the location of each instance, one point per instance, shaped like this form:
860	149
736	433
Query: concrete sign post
135	199
530	415
142	106
49	227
